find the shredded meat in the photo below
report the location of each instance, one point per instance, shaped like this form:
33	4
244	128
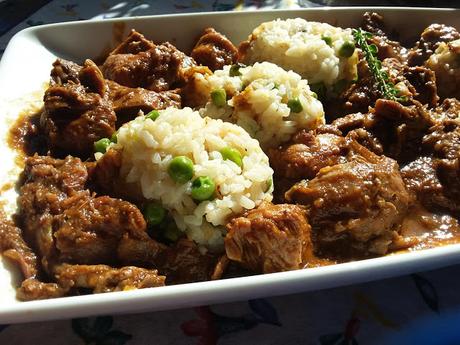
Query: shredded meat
271	238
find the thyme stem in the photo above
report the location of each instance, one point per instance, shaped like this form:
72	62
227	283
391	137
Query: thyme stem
385	86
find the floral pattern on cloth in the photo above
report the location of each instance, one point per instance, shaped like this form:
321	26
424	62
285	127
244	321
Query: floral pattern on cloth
391	311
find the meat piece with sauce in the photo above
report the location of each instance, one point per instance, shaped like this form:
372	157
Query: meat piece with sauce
154	67
66	224
126	102
354	208
214	50
373	23
76	115
271	238
391	128
430	39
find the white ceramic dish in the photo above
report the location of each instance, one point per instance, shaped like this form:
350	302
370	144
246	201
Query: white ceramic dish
25	68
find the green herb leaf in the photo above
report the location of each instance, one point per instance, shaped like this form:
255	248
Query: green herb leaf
385	86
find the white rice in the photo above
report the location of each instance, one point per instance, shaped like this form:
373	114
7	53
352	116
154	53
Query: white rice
296	44
148	147
257	101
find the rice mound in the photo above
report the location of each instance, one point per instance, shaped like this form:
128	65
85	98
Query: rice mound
298	45
258	101
445	63
148	146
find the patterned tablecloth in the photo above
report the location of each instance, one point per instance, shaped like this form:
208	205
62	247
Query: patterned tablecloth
421	308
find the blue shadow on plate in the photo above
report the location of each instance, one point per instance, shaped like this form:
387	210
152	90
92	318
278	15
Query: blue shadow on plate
434	330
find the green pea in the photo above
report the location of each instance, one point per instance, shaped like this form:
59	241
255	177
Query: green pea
154	214
347	49
180	169
232	155
235	70
172	233
203	188
327	39
114	137
219	97
295	105
102	145
153	115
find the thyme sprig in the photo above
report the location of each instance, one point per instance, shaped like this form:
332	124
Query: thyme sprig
386	87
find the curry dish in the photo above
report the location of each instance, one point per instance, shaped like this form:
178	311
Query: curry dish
155	167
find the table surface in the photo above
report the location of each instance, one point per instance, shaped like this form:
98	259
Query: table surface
404	310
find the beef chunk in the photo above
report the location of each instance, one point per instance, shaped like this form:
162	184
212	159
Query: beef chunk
413	83
373	23
423	178
422	84
77	115
307	154
33	289
91	230
354	207
47	182
13	247
160	68
390	128
214	50
127	102
444	139
133	44
102	278
430	39
271	238
64	71
184	263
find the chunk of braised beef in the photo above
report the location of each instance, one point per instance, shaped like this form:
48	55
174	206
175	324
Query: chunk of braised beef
64	71
354	208
271	238
184	263
103	278
65	223
92	230
127	102
33	289
307	154
77	115
159	68
422	177
413	83
14	248
430	39
133	44
373	23
214	50
390	128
